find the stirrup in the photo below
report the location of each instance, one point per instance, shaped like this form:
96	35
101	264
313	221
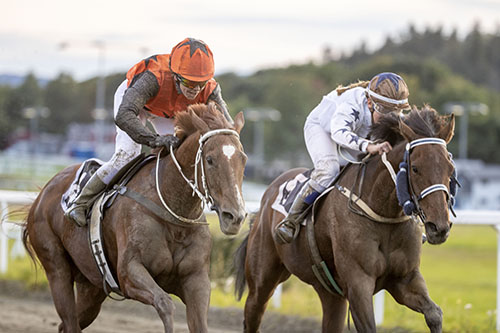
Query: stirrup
279	238
69	216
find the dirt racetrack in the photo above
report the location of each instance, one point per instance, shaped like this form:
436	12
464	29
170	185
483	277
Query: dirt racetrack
23	311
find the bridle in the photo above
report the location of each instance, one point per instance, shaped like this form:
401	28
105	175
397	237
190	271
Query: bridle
205	197
407	197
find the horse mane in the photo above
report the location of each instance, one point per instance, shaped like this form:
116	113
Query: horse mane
208	113
425	122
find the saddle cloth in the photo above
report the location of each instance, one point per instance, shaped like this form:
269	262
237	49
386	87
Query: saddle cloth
288	191
86	170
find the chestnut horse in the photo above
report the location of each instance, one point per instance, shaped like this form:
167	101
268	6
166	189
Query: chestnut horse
363	256
150	256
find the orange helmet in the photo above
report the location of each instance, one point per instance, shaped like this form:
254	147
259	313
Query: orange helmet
193	60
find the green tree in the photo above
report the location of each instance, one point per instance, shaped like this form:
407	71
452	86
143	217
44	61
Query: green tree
28	94
60	97
5	122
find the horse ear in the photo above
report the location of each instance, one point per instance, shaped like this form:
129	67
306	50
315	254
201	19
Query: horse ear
239	121
406	131
198	123
446	133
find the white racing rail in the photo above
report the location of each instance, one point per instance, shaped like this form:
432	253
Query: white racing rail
8	229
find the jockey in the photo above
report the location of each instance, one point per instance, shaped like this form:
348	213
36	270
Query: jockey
155	89
342	119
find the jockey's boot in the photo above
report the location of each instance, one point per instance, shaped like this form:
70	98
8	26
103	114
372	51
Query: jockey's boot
78	212
288	229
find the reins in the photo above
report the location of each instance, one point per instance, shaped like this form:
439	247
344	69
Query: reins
205	197
365	210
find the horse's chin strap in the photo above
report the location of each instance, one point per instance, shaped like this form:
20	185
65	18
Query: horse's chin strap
205	197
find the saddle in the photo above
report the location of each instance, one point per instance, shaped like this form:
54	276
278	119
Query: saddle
89	167
291	188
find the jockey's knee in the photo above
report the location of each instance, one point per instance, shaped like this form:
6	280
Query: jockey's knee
119	159
324	173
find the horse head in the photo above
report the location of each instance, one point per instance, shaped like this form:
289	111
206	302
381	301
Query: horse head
429	170
221	161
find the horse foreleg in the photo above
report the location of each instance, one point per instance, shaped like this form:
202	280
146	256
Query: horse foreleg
412	292
88	302
359	294
138	284
264	272
196	296
334	310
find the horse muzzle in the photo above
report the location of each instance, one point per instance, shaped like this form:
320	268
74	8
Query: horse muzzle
437	233
230	219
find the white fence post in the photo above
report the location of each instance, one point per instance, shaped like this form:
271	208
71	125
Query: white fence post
277	296
4	241
497	227
378	307
6	198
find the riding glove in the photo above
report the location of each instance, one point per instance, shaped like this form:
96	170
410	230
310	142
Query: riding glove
165	141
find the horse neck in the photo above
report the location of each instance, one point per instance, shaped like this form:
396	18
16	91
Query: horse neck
173	186
379	188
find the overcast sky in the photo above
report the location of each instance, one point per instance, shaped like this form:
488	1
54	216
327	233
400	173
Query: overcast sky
243	35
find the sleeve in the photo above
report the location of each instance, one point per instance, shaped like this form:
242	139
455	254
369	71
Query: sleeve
216	97
143	87
343	126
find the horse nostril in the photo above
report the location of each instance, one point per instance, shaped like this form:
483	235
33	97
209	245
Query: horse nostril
431	227
228	216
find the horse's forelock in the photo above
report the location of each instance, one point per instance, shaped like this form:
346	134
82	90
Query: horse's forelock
183	125
425	122
212	117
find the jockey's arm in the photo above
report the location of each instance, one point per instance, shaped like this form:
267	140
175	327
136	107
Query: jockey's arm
343	125
141	90
216	97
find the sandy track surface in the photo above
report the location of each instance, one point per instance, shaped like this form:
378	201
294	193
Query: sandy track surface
27	315
24	311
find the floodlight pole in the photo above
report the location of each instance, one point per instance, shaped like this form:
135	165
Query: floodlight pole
463	109
259	116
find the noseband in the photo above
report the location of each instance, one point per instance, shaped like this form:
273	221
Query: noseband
206	198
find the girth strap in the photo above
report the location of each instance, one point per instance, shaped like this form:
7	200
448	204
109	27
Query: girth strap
97	249
319	267
154	208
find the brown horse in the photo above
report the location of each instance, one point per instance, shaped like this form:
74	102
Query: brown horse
150	256
362	255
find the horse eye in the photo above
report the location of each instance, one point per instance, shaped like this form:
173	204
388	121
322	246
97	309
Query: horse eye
414	169
210	160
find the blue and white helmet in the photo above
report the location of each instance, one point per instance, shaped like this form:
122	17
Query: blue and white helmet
389	92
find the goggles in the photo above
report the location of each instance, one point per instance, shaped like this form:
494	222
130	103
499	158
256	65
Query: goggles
383	110
190	84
